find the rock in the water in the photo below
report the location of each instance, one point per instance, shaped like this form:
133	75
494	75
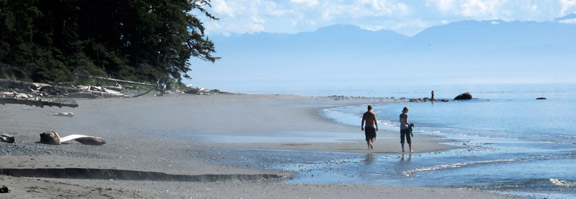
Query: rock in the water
464	96
541	98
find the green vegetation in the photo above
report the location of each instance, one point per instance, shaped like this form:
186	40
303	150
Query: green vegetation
67	40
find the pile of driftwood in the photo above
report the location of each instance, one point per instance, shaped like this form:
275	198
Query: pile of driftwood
33	94
30	93
60	95
51	137
202	91
41	94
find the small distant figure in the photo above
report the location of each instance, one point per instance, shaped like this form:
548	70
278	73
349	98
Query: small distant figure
432	96
370	118
405	129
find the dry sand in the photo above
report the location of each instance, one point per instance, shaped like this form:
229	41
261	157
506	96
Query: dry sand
158	134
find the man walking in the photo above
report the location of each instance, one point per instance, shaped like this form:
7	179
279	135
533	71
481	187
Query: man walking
370	118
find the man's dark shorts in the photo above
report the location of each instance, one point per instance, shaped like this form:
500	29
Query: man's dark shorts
405	133
370	133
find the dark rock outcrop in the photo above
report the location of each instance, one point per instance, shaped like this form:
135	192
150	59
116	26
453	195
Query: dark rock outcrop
464	96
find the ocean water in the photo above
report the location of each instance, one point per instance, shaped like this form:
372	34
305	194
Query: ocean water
509	142
512	143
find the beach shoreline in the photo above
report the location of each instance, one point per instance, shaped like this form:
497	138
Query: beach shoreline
159	134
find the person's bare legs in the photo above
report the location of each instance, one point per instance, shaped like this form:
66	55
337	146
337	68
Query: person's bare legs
410	146
369	144
402	147
372	145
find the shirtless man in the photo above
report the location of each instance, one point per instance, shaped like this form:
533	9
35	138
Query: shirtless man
370	118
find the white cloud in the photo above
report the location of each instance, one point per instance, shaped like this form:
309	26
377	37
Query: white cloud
480	8
568	21
220	7
507	10
249	16
443	5
568	7
241	16
361	8
309	3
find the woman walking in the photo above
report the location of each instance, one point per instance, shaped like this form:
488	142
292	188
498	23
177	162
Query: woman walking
405	129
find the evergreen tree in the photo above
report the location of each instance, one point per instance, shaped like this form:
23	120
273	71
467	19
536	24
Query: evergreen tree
53	40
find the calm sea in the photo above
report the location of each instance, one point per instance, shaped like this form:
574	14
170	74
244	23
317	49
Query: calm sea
513	143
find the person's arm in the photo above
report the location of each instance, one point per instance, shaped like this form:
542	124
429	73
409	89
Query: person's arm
362	125
407	123
376	122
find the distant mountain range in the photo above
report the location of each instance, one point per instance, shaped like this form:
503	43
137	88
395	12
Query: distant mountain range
494	35
509	51
466	35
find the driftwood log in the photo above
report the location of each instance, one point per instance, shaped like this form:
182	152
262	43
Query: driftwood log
32	90
7	138
51	137
4	189
121	81
36	87
39	103
64	114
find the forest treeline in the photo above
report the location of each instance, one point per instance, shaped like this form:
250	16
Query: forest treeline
139	40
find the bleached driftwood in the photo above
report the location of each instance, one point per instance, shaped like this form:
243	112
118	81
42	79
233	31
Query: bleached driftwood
121	81
51	137
65	114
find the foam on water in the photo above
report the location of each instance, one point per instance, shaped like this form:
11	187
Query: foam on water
458	165
487	162
562	183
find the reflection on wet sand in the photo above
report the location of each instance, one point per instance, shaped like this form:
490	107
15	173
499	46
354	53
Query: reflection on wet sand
369	158
407	160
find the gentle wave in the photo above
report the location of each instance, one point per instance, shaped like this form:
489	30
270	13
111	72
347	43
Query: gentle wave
390	124
458	165
464	164
562	183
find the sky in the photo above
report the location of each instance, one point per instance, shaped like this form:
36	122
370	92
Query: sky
242	71
405	17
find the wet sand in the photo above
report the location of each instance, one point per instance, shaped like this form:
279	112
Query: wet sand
186	135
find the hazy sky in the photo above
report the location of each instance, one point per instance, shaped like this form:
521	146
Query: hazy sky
406	17
275	68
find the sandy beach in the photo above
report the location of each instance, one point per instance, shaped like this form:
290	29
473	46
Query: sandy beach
186	135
